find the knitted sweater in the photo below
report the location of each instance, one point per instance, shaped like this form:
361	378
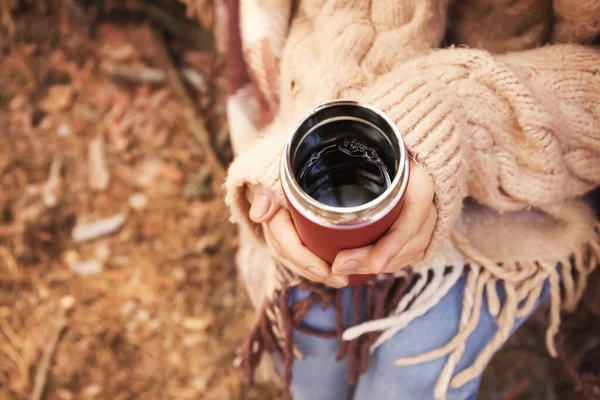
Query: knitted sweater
498	100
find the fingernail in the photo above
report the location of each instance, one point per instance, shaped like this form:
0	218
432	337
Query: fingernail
336	281
260	206
349	266
316	271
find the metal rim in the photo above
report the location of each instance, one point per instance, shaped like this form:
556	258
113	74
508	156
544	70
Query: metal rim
341	216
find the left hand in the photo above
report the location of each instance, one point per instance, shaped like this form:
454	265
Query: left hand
406	240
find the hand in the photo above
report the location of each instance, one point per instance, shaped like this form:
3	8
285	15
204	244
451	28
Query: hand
406	240
284	244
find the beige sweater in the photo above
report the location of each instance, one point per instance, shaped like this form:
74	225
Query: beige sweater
506	121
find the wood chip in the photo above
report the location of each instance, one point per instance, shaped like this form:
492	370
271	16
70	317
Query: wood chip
99	176
103	252
63	130
97	229
200	382
41	374
142	315
137	73
52	187
64	394
198	324
17	102
70	257
87	268
59	98
67	302
91	391
122	52
138	201
208	242
195	79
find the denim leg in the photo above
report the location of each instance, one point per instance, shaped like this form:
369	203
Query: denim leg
384	380
319	376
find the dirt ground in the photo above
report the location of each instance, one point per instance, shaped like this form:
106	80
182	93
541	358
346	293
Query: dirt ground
116	258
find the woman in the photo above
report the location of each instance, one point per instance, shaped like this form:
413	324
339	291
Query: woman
504	128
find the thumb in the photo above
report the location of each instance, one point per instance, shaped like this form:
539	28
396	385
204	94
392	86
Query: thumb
264	206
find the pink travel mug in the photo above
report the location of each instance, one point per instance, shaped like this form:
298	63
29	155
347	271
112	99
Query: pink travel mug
344	173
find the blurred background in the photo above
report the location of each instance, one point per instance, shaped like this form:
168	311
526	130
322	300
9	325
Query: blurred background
116	255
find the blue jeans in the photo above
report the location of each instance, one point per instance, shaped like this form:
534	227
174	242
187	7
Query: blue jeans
320	377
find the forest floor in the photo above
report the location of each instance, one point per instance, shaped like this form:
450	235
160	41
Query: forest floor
117	278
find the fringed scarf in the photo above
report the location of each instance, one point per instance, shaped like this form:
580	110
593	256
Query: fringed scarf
523	253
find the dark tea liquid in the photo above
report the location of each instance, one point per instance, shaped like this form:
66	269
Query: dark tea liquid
346	173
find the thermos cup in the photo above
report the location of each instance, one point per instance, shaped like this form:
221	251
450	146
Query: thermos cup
344	173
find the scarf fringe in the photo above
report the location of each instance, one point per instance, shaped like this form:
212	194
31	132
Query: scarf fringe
273	331
395	301
523	283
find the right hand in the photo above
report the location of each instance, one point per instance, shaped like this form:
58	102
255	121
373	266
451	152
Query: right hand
282	239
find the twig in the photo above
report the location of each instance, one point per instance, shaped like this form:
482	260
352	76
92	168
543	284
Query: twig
181	29
135	74
10	263
189	113
99	175
195	79
52	186
42	371
97	229
5	12
144	74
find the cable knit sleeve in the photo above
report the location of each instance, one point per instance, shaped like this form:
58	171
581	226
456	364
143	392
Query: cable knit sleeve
334	47
432	124
522	128
257	165
512	131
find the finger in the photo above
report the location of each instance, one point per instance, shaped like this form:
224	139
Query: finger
333	281
292	249
264	205
352	261
251	189
415	249
284	261
415	211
